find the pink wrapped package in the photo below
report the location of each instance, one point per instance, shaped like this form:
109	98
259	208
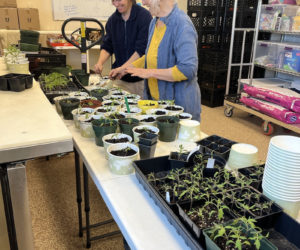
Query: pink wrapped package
291	2
280	96
272	110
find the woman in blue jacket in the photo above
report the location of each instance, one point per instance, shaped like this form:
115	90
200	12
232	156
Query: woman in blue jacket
170	64
126	38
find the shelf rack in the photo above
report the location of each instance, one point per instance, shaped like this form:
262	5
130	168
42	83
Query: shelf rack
231	103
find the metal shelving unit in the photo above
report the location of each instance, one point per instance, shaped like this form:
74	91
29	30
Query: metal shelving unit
231	102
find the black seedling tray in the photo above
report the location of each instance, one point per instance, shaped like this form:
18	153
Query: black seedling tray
16	82
284	232
159	164
217	145
257	181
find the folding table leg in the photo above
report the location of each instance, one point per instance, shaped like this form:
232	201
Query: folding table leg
87	205
78	191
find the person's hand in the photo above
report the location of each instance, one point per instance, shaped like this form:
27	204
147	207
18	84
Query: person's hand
117	73
98	68
142	73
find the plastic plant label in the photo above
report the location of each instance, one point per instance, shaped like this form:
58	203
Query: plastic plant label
168	197
210	163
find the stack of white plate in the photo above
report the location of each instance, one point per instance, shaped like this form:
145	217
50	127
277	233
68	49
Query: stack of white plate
281	181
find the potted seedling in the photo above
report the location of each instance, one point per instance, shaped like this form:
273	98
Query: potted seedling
168	126
138	130
238	234
90	103
99	93
121	157
184	116
127	124
147	144
85	124
147	120
116	115
67	105
134	112
157	112
103	127
112	103
80	112
178	159
114	138
174	109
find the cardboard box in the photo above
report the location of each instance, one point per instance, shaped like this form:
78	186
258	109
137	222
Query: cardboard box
9	19
29	19
8	3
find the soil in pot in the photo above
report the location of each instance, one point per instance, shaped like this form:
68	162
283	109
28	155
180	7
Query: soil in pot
144	130
182	117
111	104
159	112
173	108
119	140
90	103
149	119
124	152
67	105
116	116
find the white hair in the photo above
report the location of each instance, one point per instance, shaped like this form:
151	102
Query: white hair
155	6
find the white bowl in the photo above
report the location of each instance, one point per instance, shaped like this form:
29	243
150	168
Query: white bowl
189	130
121	165
136	135
280	177
113	136
282	158
242	155
286	143
291	208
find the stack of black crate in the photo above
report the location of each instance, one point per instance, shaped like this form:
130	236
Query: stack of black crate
213	22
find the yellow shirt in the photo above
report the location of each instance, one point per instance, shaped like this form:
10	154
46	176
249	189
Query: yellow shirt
158	35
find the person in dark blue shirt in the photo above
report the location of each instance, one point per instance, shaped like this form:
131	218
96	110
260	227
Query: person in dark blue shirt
126	37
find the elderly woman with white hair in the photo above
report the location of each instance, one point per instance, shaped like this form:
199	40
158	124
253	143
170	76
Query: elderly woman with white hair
170	64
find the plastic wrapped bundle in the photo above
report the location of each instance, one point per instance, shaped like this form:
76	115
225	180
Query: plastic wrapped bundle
280	96
272	110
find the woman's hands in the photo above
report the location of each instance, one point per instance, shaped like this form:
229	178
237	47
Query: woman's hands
117	73
139	72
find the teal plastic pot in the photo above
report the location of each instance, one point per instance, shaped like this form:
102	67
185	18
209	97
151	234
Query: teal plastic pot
67	105
127	128
103	127
168	127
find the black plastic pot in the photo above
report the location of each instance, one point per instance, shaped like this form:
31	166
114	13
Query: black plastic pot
178	160
67	105
103	127
3	83
83	78
99	93
146	151
16	83
148	139
168	126
28	81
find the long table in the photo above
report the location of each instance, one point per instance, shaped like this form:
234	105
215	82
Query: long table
29	128
140	220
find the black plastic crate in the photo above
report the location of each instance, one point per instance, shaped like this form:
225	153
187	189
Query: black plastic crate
44	61
212	79
243	5
195	5
213	40
213	60
212	97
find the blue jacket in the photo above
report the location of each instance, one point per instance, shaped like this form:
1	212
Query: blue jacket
124	38
178	47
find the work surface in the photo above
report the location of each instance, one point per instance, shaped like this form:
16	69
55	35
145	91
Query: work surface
138	217
30	127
